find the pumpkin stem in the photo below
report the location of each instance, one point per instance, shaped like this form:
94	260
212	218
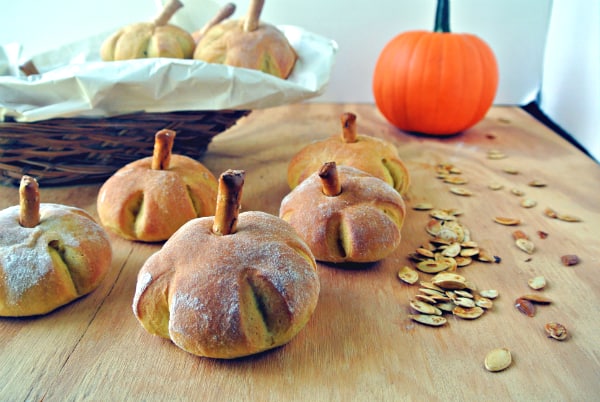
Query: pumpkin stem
348	127
442	16
330	179
28	68
252	20
229	196
29	197
167	12
225	12
163	146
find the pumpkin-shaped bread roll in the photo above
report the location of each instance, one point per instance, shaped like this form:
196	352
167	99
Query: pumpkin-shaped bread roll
248	43
149	199
150	39
50	254
231	285
372	155
345	215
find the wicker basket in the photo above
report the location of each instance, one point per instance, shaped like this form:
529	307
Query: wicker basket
83	150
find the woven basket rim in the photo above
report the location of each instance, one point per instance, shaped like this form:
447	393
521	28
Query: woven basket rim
87	150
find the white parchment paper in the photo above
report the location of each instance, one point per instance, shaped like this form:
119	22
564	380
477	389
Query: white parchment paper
74	82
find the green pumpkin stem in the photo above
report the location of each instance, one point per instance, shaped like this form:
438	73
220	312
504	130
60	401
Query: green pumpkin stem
442	16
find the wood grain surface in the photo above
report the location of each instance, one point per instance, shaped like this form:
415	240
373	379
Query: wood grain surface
359	344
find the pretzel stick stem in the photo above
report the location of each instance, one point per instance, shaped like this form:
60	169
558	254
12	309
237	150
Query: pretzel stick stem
330	179
225	12
229	196
167	12
163	147
28	68
349	127
252	20
29	202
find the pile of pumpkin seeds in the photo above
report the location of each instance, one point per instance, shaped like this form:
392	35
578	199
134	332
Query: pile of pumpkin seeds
449	292
450	246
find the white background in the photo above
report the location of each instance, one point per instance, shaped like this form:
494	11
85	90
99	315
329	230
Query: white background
550	46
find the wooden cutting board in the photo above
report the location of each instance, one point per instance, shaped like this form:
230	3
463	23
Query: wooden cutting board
360	343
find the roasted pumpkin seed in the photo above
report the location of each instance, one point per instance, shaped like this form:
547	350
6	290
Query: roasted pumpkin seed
425	298
525	245
483	302
464	302
408	275
568	218
431	292
469	252
528	203
427	319
489	293
495	154
463	293
510	170
556	331
498	359
446	306
422	206
461	191
447	280
431	286
468	313
424	308
537	282
451	250
463	261
536	298
443	214
425	252
455	180
433	227
537	183
549	212
484	256
507	221
432	266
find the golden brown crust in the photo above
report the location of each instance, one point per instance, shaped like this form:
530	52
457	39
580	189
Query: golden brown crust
361	224
369	154
265	49
227	296
145	40
44	267
150	39
139	203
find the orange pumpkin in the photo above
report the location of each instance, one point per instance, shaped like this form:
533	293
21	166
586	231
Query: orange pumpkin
438	82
